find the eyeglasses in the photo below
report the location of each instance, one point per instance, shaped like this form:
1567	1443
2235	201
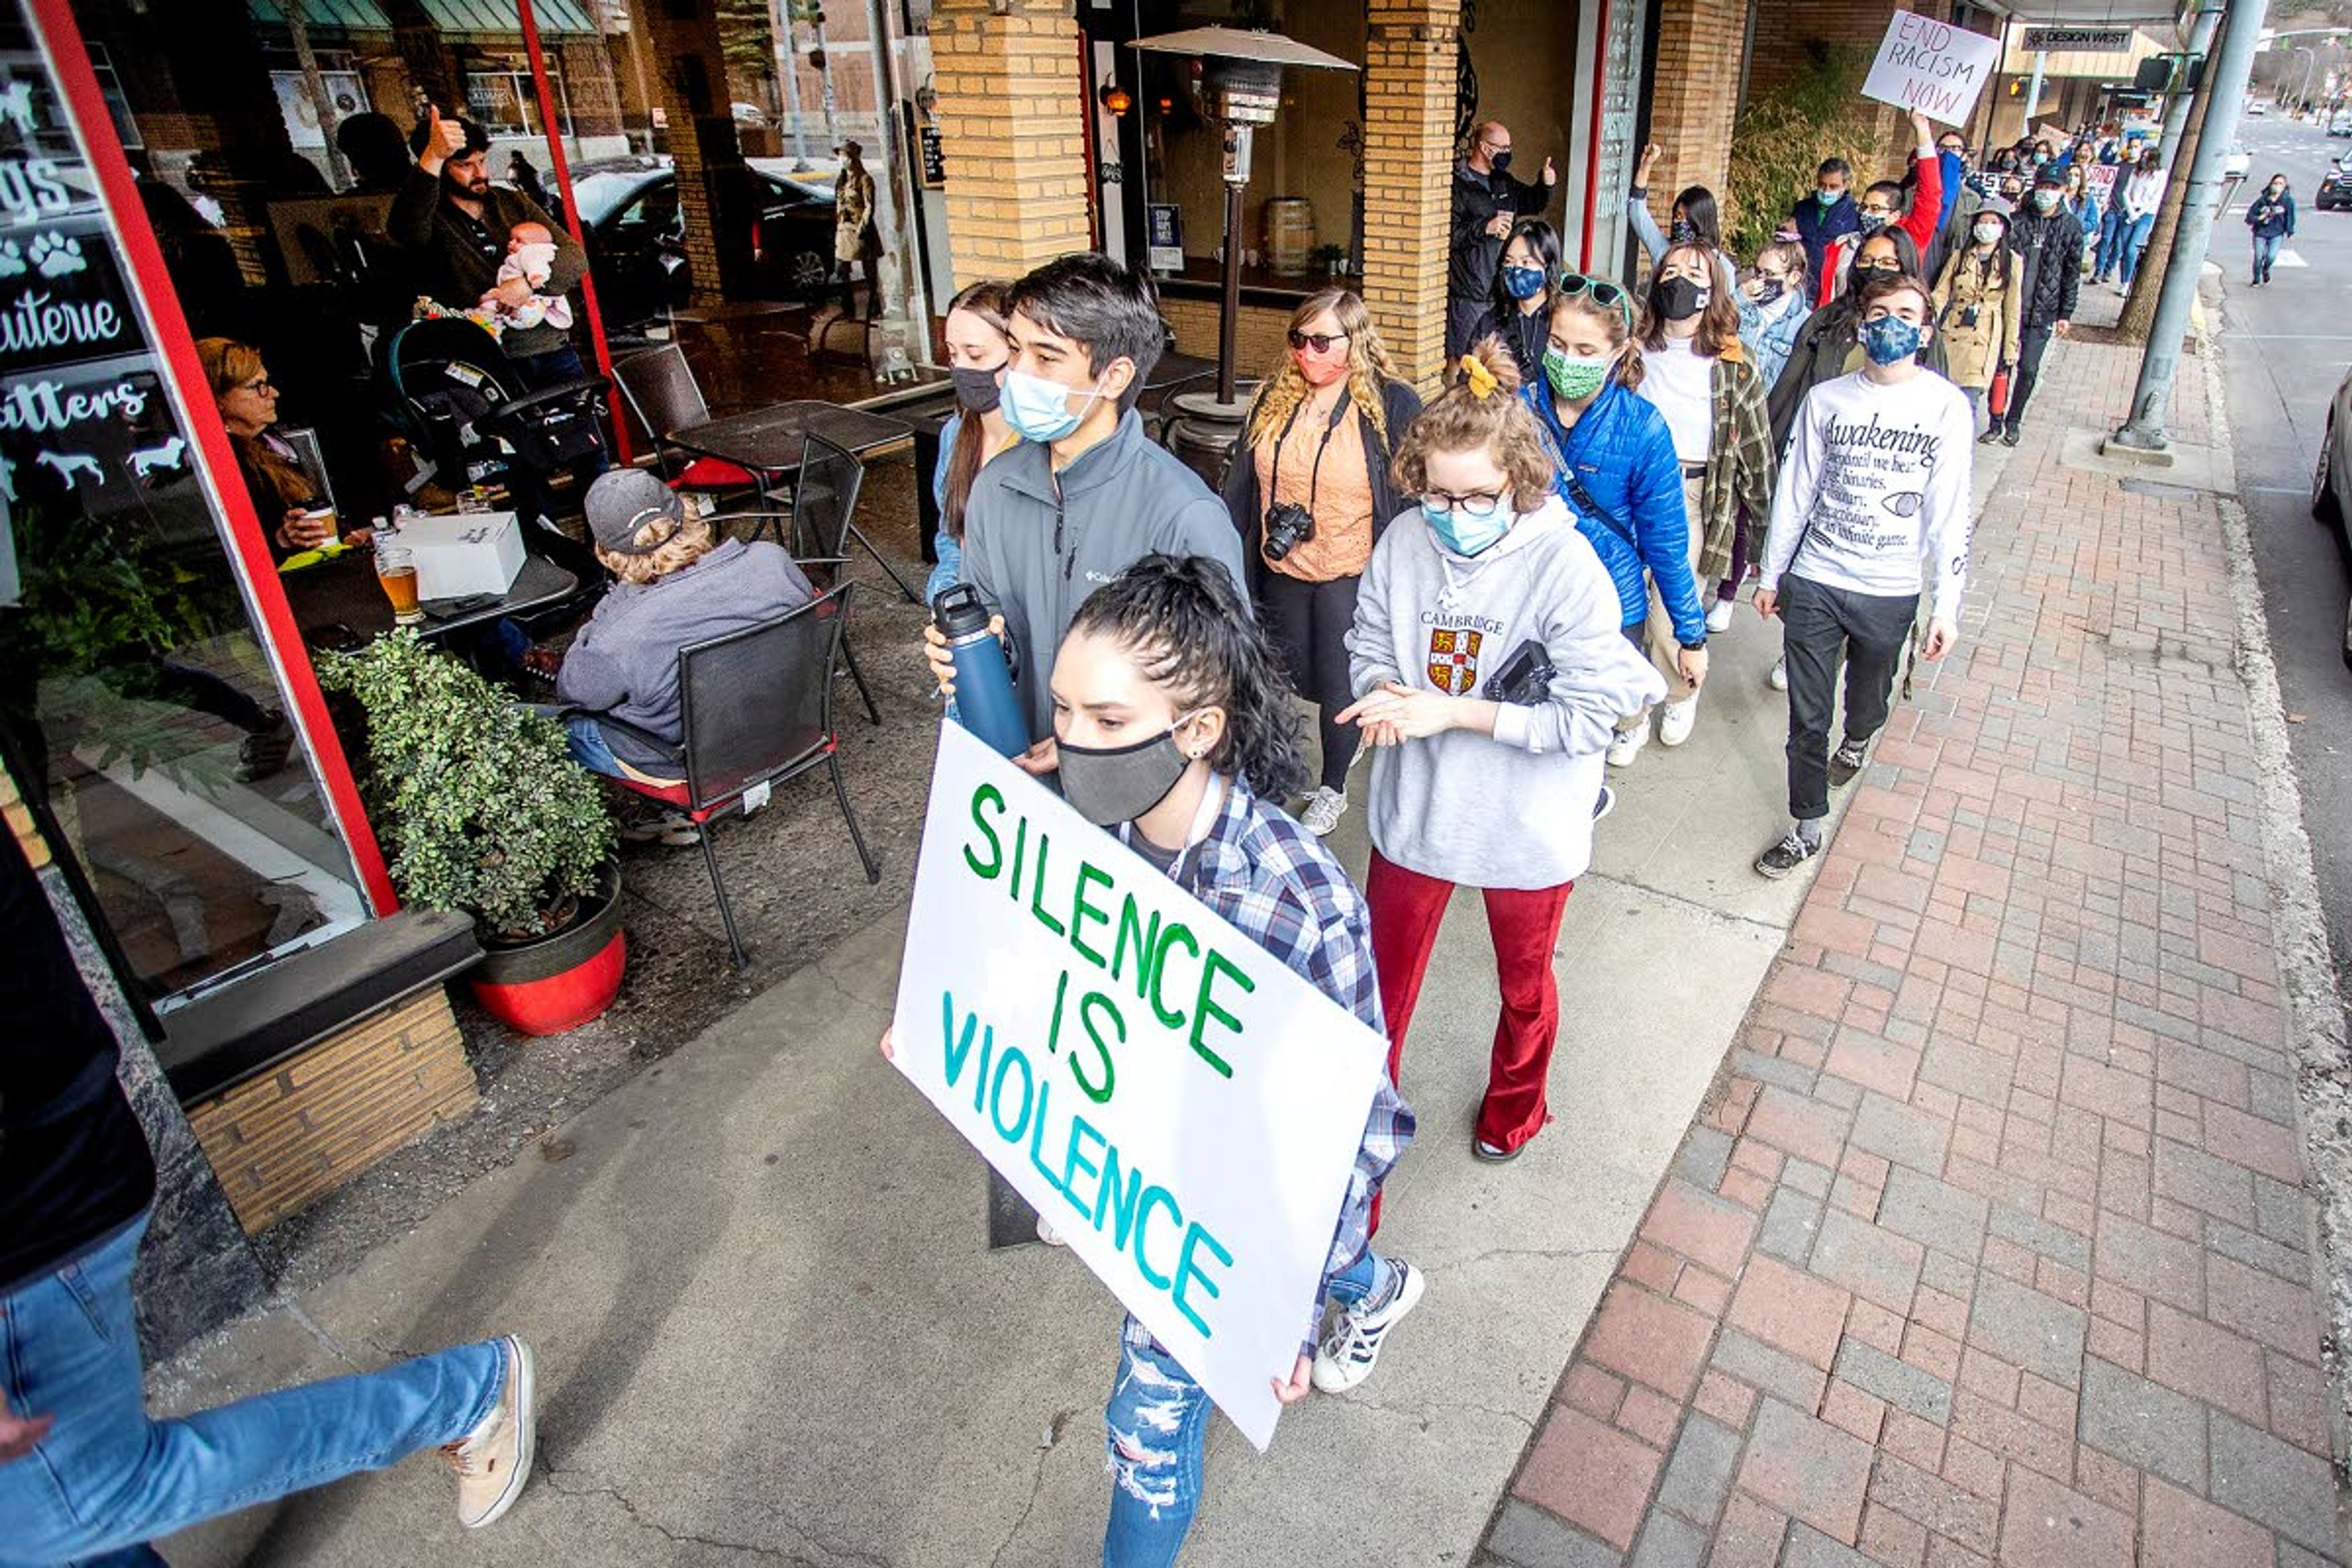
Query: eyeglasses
258	384
1478	504
1602	292
1319	341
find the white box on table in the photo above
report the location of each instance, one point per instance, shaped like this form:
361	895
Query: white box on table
465	553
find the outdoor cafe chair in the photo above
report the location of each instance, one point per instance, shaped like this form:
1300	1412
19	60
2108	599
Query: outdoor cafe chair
663	394
825	503
756	712
824	572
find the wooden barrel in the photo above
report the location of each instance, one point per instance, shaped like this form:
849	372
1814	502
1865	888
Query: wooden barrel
1289	235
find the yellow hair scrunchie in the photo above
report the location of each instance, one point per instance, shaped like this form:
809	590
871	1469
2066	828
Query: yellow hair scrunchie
1478	378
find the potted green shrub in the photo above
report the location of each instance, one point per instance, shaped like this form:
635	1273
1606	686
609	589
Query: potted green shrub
481	808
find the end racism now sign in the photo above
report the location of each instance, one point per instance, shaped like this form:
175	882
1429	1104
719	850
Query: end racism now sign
1181	1106
1930	67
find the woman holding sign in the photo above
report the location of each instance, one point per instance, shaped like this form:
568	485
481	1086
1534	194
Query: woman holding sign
1173	725
1492	668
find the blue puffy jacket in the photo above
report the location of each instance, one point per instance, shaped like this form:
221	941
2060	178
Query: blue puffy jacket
1623	455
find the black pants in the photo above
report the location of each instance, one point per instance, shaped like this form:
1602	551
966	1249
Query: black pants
2032	343
1822	626
1309	622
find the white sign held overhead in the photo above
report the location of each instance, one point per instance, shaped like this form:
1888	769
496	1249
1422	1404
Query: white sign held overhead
1931	67
1182	1107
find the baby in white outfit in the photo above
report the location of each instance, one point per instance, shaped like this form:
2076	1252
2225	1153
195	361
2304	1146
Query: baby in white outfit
531	255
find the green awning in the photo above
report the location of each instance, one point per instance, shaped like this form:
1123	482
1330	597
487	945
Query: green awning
349	15
455	18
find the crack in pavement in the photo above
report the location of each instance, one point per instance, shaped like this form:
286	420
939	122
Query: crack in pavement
1037	1484
1563	1254
831	1556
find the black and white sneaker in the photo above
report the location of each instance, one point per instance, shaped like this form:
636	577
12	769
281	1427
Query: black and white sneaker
1847	760
1604	802
1786	855
1346	1356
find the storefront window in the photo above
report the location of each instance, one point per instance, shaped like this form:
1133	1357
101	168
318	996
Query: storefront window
143	708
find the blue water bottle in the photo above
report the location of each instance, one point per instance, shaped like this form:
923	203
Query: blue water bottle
985	701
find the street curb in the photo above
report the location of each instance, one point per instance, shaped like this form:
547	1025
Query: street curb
2314	1011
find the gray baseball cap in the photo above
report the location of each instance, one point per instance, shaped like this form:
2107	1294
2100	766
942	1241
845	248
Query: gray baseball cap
623	501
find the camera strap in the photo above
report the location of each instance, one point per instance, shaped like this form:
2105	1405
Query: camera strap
1314	475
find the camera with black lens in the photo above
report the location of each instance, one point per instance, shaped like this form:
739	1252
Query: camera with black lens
1287	526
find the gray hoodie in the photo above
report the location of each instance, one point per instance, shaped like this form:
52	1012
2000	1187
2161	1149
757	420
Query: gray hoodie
1514	810
1035	548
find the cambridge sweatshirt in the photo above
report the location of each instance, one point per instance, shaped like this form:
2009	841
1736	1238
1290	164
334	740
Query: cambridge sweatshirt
1513	809
1877	483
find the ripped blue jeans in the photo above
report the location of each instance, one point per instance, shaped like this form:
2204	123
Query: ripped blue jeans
1157	1427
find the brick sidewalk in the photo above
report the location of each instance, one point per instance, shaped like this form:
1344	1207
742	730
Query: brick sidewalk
1993	1242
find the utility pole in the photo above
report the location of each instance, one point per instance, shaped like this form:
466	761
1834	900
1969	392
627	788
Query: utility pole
2178	146
2224	91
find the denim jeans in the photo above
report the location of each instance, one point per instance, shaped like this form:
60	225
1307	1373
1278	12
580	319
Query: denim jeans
2266	249
2113	228
2134	238
585	739
1157	1427
107	1478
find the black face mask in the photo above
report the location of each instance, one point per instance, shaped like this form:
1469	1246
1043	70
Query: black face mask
1498	162
977	389
1861	274
1111	785
1680	298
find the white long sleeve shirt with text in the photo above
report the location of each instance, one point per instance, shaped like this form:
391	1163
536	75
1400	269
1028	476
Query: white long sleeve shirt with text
1875	495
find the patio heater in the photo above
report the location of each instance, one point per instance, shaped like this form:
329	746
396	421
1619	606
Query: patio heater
1241	88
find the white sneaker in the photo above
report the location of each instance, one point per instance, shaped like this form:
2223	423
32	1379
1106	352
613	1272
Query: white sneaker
1047	1234
1779	675
1675	721
1347	1357
1718	618
1322	811
1628	745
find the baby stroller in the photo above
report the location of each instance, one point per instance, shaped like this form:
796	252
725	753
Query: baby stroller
467	414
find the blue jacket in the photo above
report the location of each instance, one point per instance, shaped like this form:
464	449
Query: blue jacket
1817	225
2271	216
1624	458
950	571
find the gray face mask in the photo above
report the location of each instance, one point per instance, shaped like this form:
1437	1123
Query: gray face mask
1111	785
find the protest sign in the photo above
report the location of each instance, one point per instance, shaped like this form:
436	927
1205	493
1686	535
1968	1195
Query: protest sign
1930	67
1183	1108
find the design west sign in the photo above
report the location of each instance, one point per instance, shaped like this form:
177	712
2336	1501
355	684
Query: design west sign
2077	40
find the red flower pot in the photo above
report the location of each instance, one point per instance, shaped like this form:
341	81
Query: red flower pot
550	983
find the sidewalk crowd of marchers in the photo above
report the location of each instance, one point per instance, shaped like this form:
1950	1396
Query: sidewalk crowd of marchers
1995	1243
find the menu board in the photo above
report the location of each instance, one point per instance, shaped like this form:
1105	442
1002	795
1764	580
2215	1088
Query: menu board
87	433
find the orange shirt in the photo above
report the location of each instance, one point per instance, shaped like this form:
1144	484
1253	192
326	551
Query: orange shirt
1342	491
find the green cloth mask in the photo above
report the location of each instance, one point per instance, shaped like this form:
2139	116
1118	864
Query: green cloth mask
1574	379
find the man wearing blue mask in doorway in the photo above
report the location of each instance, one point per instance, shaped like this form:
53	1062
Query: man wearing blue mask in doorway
1487	202
1086	493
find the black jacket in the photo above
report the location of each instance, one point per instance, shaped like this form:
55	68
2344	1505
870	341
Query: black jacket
453	269
1474	254
2050	244
1823	345
1527	336
1399	406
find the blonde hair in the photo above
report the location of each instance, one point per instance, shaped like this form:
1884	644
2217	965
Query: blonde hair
1463	418
693	539
1367	367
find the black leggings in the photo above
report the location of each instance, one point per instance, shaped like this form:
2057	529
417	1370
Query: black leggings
1309	622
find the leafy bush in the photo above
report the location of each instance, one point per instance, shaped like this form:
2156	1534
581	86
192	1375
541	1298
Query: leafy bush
481	806
1781	138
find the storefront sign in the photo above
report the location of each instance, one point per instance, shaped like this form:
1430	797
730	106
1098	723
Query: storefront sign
1163	225
1178	1104
2077	40
1932	67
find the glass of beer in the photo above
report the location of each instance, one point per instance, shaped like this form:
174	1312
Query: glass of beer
396	568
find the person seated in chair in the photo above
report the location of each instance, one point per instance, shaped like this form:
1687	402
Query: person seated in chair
676	584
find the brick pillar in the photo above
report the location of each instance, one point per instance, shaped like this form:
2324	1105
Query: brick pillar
1013	108
691	88
1691	103
1409	77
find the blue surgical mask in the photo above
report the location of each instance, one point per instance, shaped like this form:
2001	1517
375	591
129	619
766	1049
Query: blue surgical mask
1039	409
1523	282
1890	340
1464	533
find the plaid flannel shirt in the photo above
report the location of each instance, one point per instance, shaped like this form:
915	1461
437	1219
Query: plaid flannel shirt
1739	464
1281	888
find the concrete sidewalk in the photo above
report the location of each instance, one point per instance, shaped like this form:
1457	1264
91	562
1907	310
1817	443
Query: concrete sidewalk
1996	1242
768	1329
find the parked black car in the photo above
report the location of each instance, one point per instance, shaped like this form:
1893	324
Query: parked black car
2331	482
2335	188
637	236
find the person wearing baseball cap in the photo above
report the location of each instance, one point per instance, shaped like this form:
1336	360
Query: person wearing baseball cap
676	582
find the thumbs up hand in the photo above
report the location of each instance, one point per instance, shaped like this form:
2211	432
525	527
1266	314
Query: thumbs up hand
444	140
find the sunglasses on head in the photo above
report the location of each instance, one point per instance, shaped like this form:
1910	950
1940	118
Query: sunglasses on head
1319	341
1602	292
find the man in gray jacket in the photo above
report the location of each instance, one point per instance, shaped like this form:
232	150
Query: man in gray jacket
1086	494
